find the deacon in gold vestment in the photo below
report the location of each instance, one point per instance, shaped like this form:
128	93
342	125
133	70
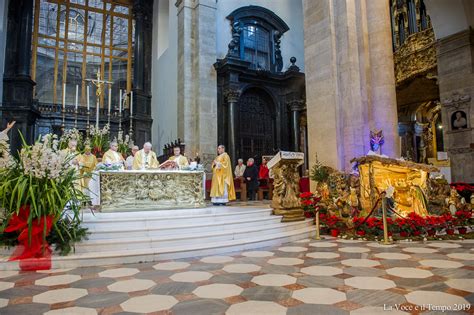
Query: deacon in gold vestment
87	162
180	160
222	188
145	158
112	156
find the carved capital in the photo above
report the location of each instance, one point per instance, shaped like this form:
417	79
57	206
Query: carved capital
296	105
232	95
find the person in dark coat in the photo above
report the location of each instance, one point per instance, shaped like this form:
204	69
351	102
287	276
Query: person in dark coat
251	178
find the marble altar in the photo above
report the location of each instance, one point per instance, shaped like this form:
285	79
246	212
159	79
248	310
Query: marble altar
152	189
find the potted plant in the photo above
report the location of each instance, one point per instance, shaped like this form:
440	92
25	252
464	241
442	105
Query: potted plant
463	218
99	140
34	193
418	223
360	226
448	223
307	204
433	224
405	226
335	224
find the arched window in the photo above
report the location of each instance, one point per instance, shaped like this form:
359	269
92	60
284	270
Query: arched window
73	39
256	34
256	44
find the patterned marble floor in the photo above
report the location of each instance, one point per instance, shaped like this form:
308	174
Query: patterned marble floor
332	276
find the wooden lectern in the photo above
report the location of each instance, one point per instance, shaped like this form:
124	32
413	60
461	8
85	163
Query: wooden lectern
286	190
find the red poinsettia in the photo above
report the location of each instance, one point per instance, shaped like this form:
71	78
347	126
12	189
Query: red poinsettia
463	217
306	195
333	222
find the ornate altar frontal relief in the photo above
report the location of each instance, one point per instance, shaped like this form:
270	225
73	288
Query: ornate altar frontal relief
141	190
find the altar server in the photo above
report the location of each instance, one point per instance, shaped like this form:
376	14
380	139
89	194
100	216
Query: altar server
145	158
87	163
112	156
222	187
180	160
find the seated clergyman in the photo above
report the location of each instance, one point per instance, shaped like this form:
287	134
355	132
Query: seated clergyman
112	156
145	158
129	160
180	160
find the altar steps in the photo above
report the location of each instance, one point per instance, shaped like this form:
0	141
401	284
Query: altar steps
132	237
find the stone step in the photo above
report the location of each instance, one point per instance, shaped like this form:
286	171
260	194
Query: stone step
153	229
142	220
167	253
182	238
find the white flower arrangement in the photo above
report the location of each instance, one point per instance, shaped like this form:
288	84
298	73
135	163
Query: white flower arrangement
97	132
70	134
5	157
43	159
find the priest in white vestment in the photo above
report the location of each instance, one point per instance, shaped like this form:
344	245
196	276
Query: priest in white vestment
112	156
145	158
180	160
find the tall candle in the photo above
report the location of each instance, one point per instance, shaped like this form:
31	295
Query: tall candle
97	113
77	96
131	103
120	101
88	105
64	96
110	98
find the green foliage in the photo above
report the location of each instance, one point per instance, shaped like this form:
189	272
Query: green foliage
319	173
65	233
48	190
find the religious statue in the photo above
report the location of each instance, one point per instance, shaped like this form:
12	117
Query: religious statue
354	202
454	201
145	158
98	83
376	141
235	42
283	189
222	187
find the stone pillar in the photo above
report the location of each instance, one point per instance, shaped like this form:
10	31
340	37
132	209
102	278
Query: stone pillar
197	79
139	49
142	121
24	58
350	84
383	101
232	99
456	85
17	103
295	107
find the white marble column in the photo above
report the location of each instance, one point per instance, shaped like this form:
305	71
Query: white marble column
382	100
197	79
324	132
350	84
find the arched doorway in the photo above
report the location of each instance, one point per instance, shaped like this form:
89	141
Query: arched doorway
257	117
